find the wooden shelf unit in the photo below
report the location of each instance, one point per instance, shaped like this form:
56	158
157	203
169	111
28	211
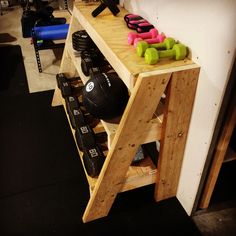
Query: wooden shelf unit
141	122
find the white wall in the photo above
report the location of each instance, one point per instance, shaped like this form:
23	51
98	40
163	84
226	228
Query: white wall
208	28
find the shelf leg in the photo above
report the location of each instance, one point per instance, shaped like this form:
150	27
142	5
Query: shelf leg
177	115
139	112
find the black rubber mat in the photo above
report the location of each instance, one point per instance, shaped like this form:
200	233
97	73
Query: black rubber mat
13	76
43	189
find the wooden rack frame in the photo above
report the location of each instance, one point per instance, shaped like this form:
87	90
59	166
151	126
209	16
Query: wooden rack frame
138	125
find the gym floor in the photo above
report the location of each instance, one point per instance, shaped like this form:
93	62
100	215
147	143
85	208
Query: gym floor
219	219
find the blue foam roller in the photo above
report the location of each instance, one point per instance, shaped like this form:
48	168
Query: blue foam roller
52	32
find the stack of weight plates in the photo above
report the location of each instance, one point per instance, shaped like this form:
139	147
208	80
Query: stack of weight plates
81	41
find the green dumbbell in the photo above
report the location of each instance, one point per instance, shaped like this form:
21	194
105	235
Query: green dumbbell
178	52
142	46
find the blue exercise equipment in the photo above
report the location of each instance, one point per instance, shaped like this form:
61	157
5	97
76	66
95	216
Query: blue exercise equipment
52	32
43	37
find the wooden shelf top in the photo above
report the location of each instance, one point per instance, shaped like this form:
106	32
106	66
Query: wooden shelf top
110	35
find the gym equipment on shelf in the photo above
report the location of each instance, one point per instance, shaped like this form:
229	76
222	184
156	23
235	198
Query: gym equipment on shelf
178	52
76	118
105	96
130	17
142	46
93	58
82	41
138	23
160	38
93	160
152	33
71	103
146	119
85	137
104	4
69	87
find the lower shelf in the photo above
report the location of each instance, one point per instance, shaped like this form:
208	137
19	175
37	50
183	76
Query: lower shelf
141	174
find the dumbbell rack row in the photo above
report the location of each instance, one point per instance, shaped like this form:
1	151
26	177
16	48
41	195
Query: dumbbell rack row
142	121
143	171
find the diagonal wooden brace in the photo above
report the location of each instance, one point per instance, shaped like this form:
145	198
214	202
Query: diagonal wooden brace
139	111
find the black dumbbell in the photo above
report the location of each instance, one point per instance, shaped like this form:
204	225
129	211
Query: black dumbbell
93	59
85	137
93	159
90	59
76	118
71	103
60	79
69	86
75	114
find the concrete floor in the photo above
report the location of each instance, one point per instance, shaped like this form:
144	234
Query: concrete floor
10	24
217	222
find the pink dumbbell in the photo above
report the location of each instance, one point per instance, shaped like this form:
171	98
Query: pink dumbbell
160	38
153	33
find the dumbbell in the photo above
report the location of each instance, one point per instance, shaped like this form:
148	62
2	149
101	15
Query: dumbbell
76	118
91	59
93	159
69	86
86	138
178	52
61	78
142	46
78	114
71	102
160	38
153	33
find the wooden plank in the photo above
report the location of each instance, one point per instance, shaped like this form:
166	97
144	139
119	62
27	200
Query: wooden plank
177	114
219	155
138	113
115	48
